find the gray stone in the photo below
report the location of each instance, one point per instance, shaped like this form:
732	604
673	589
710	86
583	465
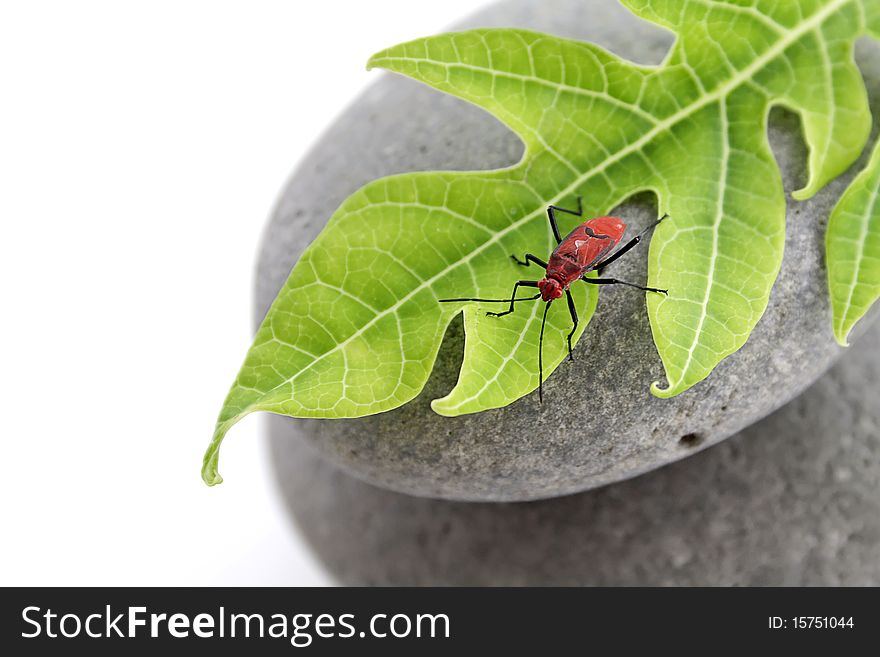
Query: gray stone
792	500
599	423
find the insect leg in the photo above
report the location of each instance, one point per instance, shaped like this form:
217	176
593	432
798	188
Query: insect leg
529	258
551	215
599	266
614	281
513	298
574	320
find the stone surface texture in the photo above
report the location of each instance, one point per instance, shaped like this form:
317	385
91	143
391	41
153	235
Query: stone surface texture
792	500
599	422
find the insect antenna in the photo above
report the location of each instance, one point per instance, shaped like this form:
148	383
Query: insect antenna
541	355
537	296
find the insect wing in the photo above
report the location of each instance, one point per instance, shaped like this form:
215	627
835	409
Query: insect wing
585	247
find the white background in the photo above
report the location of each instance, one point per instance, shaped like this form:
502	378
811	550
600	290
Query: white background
142	146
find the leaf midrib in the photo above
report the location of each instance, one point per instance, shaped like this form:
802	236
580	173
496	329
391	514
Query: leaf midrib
716	227
632	108
864	229
505	359
722	91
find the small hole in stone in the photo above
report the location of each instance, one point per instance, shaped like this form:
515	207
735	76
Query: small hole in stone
691	440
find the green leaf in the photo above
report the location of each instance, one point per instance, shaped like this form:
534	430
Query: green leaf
852	245
357	326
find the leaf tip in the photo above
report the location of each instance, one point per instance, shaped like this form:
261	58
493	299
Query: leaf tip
663	393
210	474
803	193
211	478
374	60
440	407
210	461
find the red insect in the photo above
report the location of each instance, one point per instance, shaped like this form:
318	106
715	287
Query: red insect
587	248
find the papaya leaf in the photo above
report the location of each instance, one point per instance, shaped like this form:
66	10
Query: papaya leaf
852	247
356	327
